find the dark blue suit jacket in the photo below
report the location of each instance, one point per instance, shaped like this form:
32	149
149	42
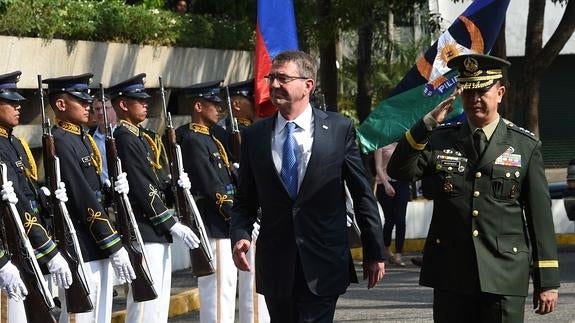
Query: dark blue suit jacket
313	225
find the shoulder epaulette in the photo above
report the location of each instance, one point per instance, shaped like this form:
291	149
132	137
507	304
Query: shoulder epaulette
514	127
448	125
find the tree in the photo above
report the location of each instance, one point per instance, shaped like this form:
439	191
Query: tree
525	94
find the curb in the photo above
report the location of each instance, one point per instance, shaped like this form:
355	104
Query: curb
181	303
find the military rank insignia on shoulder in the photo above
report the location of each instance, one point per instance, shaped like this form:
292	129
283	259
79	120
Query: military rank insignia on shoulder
514	127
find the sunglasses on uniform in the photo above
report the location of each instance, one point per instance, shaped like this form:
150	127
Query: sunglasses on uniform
282	78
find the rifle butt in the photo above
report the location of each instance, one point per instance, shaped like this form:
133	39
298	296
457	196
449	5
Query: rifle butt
142	287
201	265
36	309
76	299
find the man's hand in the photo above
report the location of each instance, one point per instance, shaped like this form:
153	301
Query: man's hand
444	107
374	271
11	283
121	263
389	190
239	254
58	267
186	235
545	302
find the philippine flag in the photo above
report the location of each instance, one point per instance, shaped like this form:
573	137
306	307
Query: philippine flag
275	32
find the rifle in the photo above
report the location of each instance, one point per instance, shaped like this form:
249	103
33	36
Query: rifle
38	303
235	130
202	257
78	295
143	285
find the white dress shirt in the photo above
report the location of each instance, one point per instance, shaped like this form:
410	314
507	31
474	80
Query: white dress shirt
303	135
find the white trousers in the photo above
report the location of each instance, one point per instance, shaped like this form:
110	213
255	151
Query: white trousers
16	311
218	290
252	306
100	276
154	311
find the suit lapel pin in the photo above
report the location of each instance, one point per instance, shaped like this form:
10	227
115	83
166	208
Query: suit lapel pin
325	127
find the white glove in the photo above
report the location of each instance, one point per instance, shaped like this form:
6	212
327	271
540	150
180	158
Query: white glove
60	193
45	191
11	283
122	266
8	193
349	220
58	267
184	181
121	184
186	235
255	231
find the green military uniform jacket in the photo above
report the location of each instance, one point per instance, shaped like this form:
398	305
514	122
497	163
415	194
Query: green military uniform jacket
492	216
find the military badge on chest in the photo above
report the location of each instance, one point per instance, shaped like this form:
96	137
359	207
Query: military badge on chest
450	165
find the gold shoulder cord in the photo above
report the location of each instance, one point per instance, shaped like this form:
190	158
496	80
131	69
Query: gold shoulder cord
206	131
155	150
32	171
96	156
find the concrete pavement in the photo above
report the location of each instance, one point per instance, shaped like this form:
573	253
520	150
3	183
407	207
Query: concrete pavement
399	298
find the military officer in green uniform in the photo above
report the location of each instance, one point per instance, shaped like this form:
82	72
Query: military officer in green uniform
492	221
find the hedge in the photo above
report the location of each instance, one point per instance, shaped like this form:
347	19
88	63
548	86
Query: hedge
112	20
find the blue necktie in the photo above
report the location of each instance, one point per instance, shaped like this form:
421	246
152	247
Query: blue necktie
289	161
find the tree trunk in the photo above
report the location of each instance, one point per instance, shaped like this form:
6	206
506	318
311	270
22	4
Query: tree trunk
327	54
364	70
526	88
500	50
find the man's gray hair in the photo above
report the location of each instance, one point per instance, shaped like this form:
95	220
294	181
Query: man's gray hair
305	62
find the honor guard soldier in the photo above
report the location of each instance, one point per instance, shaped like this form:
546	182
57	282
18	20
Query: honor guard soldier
243	109
492	223
242	100
140	157
23	176
208	166
80	166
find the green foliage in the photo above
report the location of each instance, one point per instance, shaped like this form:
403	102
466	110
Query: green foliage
386	74
112	20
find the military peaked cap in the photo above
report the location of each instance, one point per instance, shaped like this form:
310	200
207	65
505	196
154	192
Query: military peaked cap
76	85
245	88
478	71
131	88
207	90
8	87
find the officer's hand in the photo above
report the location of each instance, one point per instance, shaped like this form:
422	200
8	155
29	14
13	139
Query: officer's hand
60	193
373	271
545	302
444	107
389	190
185	234
121	184
11	283
184	181
8	193
122	266
239	254
58	267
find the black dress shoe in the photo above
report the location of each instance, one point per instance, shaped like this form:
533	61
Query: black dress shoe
418	261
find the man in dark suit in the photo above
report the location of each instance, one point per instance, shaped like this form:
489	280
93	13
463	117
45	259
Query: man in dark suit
293	166
492	219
